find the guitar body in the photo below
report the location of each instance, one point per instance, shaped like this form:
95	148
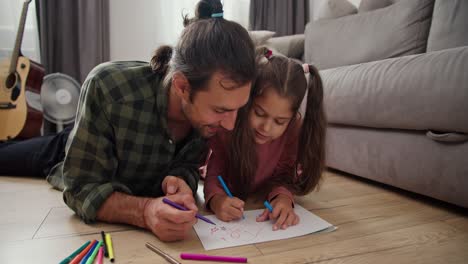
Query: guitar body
13	112
18	120
20	75
34	118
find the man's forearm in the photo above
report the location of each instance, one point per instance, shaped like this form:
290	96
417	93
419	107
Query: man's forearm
123	208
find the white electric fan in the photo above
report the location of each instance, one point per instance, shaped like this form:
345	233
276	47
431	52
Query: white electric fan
59	98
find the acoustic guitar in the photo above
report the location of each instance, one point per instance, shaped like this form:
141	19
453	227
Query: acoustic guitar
17	77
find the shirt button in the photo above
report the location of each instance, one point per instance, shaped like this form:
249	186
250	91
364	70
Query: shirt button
170	141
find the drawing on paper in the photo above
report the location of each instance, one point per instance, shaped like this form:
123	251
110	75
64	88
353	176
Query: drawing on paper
236	231
248	230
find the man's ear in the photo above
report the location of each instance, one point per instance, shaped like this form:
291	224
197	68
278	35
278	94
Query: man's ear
181	86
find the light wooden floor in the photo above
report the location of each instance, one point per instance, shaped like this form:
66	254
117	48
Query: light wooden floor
376	225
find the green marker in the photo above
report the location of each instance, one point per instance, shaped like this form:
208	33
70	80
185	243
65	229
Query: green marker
69	258
93	255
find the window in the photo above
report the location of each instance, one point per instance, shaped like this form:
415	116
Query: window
10	13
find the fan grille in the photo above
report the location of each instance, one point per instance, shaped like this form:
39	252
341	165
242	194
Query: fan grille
59	98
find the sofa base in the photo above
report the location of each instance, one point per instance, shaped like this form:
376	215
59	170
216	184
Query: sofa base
406	159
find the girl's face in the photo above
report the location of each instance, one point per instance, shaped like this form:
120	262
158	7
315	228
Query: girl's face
270	116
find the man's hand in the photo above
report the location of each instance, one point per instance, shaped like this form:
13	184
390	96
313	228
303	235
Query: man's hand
167	222
282	211
226	208
174	185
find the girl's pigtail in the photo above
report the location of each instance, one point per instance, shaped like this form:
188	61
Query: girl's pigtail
311	147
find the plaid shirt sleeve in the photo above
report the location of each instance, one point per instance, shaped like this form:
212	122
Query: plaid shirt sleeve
90	162
187	165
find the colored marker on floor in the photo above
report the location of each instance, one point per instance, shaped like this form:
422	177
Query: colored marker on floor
104	245
100	255
93	255
110	248
83	253
90	252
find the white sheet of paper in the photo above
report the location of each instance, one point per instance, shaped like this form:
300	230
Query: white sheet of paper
248	231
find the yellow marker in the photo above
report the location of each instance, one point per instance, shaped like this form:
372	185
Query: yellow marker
110	248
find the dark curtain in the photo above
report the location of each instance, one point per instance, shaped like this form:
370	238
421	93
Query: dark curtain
285	17
74	35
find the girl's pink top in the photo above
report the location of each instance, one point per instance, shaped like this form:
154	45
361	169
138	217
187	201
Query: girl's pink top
275	158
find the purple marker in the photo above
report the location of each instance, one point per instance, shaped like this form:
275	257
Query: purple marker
192	256
180	207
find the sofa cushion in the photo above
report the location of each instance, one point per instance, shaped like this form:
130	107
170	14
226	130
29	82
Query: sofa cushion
259	37
335	8
449	25
396	30
422	92
290	46
369	5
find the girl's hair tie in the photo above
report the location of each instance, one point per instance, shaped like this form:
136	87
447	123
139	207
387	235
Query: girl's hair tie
268	53
217	15
305	66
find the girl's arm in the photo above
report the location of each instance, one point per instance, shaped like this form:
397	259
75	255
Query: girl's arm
287	163
225	208
281	196
215	166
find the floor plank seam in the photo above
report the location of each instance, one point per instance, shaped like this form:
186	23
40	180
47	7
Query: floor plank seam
259	250
85	234
361	219
326	208
358	254
43	220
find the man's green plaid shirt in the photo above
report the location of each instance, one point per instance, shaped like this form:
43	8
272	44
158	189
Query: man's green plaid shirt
121	141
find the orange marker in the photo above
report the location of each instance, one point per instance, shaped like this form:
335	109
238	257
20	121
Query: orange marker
83	253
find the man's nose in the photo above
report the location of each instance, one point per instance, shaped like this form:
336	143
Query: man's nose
229	120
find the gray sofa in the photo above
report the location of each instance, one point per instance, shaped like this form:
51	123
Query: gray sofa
396	94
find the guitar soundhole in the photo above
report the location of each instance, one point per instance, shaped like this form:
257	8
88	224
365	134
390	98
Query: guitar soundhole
10	81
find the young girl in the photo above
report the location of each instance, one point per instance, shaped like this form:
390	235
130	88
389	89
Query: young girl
273	150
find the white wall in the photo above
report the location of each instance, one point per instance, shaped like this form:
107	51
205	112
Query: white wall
131	29
137	28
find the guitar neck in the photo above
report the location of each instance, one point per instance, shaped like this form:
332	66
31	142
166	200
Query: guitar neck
19	37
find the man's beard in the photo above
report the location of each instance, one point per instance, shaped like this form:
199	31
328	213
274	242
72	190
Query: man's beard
207	131
202	129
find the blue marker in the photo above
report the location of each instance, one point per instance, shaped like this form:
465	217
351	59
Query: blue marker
90	252
226	189
268	206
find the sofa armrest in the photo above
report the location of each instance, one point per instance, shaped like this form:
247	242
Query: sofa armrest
422	92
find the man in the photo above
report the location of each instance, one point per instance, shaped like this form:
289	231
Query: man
140	129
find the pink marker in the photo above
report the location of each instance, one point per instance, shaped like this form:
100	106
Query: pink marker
99	256
192	256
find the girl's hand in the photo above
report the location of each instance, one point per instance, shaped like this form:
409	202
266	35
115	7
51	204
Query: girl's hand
282	211
226	208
